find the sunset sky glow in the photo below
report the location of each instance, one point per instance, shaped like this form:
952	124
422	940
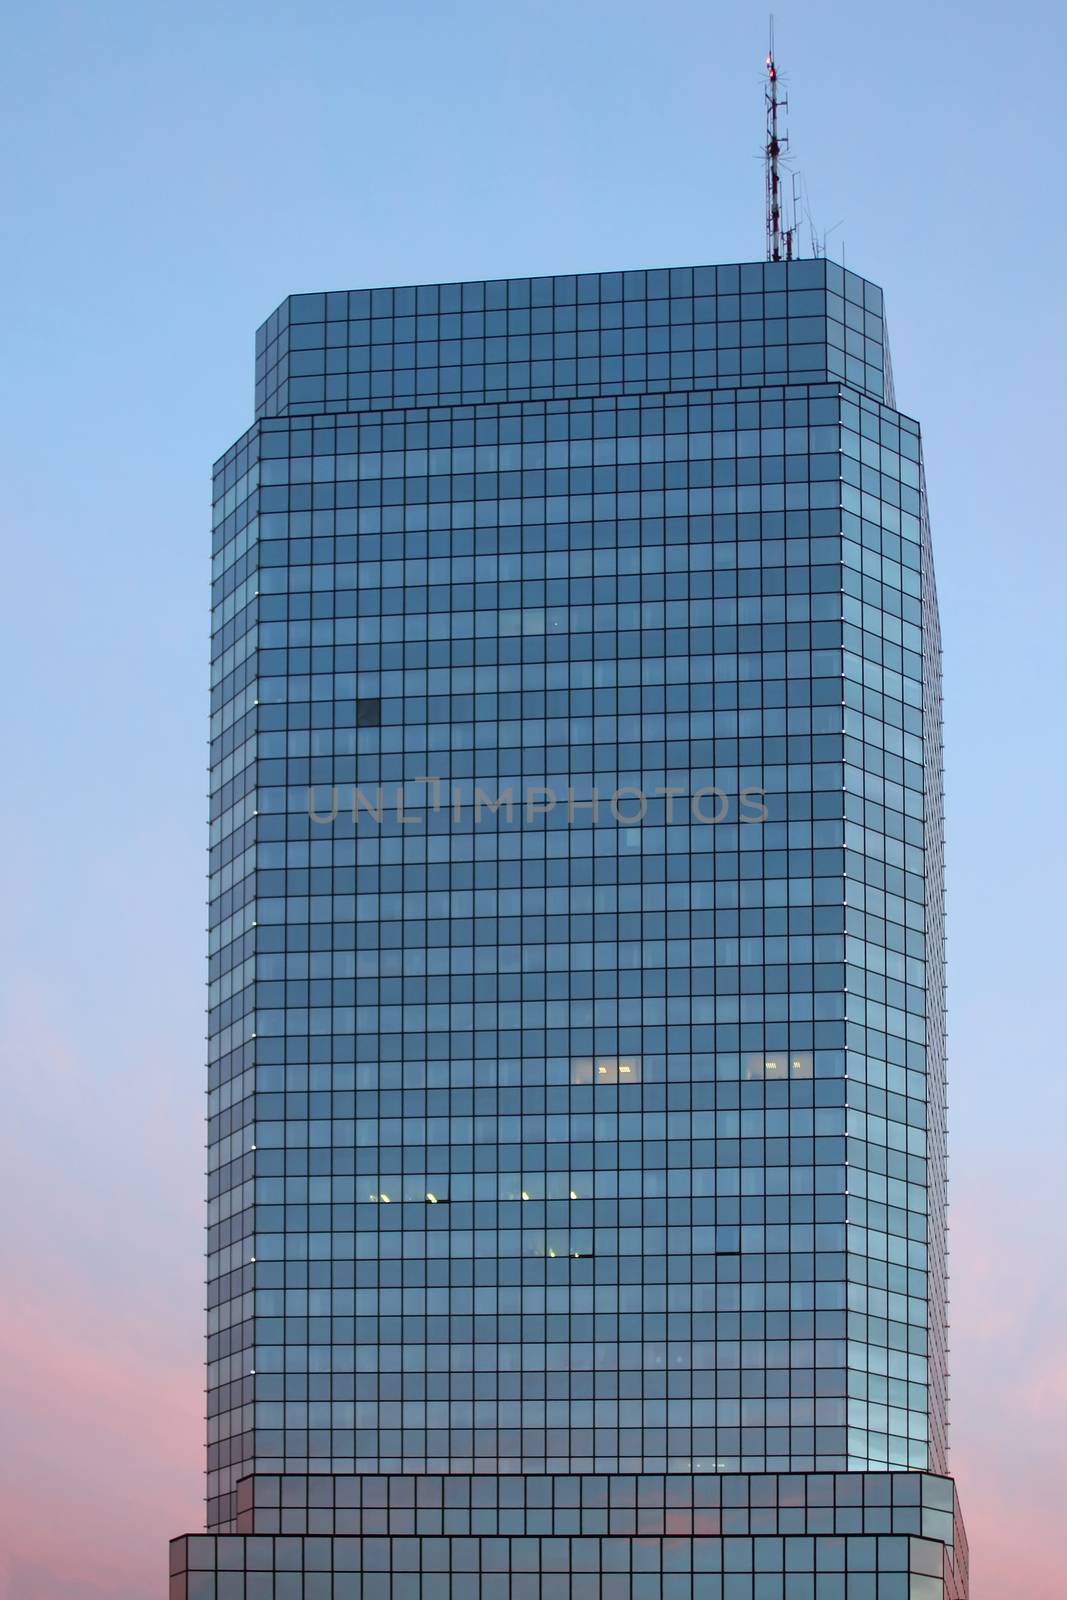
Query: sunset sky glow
170	177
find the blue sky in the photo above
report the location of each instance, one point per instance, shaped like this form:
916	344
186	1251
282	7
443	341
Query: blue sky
169	175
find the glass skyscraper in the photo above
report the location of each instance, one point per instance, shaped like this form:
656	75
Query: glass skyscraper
576	1208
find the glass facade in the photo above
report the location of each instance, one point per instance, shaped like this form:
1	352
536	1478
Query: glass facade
576	1032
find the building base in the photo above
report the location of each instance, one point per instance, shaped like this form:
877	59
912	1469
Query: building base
814	1536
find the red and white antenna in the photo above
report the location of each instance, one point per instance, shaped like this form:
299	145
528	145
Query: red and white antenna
779	237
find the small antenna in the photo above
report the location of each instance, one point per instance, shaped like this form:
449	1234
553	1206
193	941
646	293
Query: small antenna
779	238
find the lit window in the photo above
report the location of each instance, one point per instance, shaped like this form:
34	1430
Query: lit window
777	1064
606	1069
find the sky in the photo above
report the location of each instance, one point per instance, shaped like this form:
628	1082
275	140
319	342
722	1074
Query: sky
169	174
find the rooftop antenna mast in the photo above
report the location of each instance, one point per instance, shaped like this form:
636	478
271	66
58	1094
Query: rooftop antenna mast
779	238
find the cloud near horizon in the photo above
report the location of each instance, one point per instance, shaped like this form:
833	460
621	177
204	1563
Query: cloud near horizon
100	1382
1008	1388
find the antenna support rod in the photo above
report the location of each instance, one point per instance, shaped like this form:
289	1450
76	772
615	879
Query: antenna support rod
779	239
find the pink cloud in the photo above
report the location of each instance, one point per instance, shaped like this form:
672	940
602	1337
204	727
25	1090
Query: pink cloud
100	1382
1009	1383
104	1432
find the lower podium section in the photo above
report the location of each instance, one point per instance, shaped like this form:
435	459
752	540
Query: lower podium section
816	1536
